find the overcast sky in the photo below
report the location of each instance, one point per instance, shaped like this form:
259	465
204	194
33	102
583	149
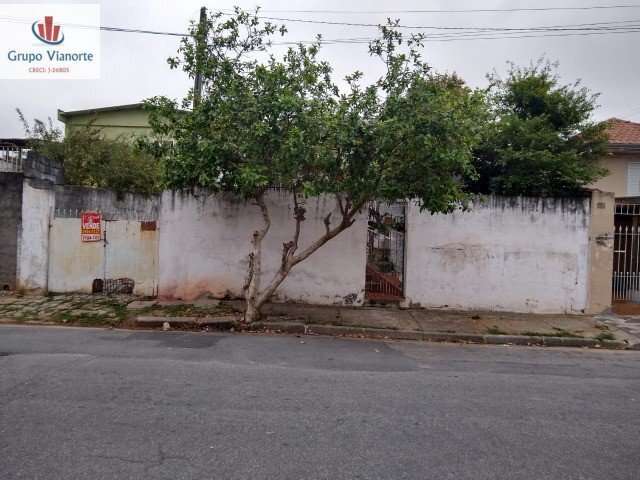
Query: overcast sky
134	65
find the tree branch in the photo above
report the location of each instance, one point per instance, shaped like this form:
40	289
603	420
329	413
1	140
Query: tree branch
292	260
327	223
340	205
259	201
289	248
347	221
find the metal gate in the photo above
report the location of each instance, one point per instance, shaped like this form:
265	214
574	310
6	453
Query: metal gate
626	254
385	252
124	260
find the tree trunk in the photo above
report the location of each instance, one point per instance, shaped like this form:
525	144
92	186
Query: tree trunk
252	286
252	312
254	297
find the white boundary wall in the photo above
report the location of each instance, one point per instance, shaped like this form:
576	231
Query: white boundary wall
507	253
205	242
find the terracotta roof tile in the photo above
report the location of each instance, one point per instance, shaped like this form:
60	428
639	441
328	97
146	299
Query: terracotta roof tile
623	132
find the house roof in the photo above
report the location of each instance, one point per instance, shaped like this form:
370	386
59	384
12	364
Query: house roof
623	134
16	142
63	116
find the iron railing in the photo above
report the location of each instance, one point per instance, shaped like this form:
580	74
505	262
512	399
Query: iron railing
11	157
628	209
626	264
385	251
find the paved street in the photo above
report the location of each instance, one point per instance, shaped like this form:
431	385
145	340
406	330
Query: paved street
97	404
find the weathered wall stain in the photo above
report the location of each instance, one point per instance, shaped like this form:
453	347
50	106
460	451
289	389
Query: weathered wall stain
518	254
33	246
204	243
10	225
126	206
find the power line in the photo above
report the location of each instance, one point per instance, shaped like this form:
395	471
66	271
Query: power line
597	26
613	25
416	27
470	10
150	32
609	25
453	38
563	35
473	33
104	28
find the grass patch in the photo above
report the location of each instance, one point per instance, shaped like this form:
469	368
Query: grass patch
494	330
188	310
559	332
9	308
605	336
86	320
116	313
120	309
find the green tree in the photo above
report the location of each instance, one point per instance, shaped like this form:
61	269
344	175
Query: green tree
265	120
542	140
93	161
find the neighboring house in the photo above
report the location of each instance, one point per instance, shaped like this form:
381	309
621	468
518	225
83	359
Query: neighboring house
623	163
118	121
12	152
623	160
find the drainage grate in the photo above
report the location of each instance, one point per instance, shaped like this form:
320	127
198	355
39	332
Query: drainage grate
113	285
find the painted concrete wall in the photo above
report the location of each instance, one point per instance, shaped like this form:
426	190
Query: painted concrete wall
204	243
51	256
601	240
616	180
10	226
113	124
509	254
33	245
127	206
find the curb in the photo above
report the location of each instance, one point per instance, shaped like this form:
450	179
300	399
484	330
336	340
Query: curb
337	330
221	322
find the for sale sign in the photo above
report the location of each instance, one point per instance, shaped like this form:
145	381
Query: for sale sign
91	227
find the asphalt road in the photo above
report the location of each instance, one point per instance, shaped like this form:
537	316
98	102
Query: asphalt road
98	404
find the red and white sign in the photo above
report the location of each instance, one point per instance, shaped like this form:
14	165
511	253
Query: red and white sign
91	227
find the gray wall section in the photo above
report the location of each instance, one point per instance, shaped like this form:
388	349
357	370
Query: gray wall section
70	201
43	169
10	220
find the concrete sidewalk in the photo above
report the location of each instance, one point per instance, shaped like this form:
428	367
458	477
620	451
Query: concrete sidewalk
449	325
417	324
409	324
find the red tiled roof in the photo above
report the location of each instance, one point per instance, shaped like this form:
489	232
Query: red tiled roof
623	132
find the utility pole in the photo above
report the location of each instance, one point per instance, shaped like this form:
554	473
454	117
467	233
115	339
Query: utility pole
201	49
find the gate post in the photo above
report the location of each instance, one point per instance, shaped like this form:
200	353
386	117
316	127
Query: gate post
601	239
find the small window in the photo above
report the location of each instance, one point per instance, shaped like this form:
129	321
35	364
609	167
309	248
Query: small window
633	179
